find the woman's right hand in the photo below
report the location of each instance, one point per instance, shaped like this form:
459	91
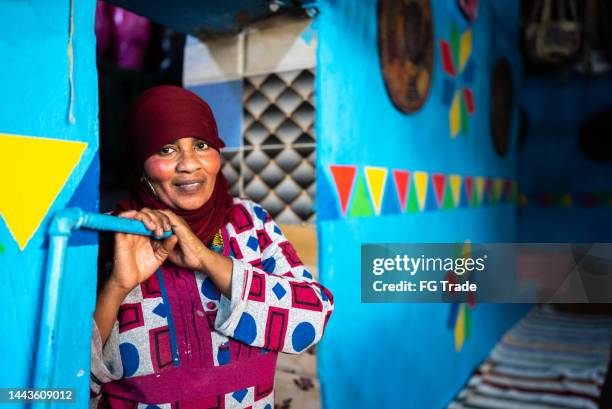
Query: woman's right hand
137	257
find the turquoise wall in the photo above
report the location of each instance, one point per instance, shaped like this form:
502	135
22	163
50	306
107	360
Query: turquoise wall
552	166
35	95
403	355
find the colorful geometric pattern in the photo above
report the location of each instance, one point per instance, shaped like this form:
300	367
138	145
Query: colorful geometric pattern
372	191
459	317
459	65
275	306
565	199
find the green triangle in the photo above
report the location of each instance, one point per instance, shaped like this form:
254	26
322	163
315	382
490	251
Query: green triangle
1	248
454	43
447	202
413	201
602	198
474	195
491	197
361	206
464	117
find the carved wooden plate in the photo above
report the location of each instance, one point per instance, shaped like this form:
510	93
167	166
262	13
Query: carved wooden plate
502	99
405	43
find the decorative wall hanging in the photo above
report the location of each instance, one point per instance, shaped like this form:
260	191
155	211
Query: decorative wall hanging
405	43
368	191
553	32
565	199
502	100
469	9
460	67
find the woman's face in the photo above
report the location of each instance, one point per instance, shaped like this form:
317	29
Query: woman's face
183	173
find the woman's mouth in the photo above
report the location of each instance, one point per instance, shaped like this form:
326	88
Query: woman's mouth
191	186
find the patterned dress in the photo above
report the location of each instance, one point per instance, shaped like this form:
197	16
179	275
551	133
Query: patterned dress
179	343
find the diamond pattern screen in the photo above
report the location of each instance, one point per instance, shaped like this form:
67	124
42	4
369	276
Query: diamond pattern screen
275	165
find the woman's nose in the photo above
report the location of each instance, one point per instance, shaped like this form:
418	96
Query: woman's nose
188	161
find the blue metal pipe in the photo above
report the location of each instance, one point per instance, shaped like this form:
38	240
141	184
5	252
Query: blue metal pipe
63	224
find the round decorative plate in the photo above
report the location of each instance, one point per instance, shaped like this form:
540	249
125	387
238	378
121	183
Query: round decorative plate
405	44
501	106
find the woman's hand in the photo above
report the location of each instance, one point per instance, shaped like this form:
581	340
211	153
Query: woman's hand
137	257
190	251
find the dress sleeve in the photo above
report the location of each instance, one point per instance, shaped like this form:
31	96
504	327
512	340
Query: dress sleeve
106	363
275	302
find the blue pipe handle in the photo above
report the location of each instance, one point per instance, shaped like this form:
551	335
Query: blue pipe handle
62	226
105	222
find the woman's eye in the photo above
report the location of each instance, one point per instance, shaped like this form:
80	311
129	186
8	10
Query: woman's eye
166	150
202	145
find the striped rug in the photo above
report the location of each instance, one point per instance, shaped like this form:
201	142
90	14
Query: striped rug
547	360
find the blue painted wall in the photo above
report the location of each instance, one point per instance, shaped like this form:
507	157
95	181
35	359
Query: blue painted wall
377	356
35	92
551	162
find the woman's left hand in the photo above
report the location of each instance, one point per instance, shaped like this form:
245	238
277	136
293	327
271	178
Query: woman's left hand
190	250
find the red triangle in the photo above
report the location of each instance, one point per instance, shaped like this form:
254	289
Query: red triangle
344	177
447	58
507	191
469	187
469	100
439	182
489	189
402	179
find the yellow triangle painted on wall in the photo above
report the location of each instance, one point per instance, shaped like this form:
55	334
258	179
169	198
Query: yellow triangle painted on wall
498	187
32	176
460	329
480	183
455	185
376	178
465	48
454	116
420	181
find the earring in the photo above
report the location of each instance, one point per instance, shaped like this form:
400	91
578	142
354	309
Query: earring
149	186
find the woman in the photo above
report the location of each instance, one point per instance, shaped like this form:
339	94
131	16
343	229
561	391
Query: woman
196	319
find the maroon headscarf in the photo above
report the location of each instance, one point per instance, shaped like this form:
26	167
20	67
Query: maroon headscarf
157	117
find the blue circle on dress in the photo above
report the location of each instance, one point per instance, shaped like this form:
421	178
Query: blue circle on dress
303	335
209	290
129	358
246	330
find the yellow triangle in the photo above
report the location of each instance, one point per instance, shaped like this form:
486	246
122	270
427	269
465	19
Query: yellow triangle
454	116
460	329
566	200
480	183
455	184
467	249
465	48
376	178
420	180
32	176
498	186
